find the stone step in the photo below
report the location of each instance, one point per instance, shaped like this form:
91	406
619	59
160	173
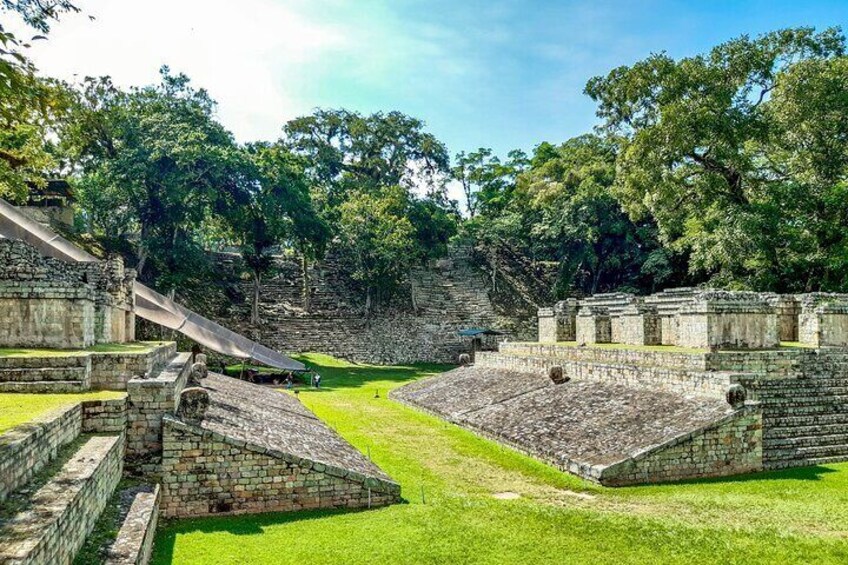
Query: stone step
60	514
43	374
815	440
771	433
810	452
136	526
776	464
837	400
792	420
52	387
79	360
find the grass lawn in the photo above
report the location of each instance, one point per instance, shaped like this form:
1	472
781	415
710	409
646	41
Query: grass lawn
470	501
17	408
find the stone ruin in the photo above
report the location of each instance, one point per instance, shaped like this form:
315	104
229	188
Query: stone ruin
49	303
700	319
201	443
683	384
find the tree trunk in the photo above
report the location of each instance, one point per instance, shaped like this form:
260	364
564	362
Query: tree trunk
254	303
368	302
412	295
307	290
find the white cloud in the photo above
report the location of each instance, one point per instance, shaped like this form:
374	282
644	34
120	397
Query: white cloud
248	54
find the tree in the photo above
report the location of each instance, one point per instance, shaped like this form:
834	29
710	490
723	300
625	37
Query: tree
486	182
699	152
275	210
578	222
154	165
352	152
30	107
376	240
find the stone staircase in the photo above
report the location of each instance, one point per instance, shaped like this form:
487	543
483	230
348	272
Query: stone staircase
805	421
55	483
64	374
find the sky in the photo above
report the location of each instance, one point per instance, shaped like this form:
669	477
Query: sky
503	74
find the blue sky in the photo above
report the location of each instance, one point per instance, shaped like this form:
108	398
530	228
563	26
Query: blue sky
503	74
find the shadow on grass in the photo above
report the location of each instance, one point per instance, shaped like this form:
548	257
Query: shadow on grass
240	525
811	473
359	376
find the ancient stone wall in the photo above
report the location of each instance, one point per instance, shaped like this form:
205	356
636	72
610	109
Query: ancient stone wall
26	449
204	473
148	401
645	376
731	447
419	324
112	371
45	302
104	416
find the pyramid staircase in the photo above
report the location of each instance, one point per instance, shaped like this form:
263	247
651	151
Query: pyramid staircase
71	373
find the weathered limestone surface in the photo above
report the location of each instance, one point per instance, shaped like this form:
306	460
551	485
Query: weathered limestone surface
558	323
706	382
588	427
258	450
823	321
594	325
104	416
149	399
720	319
45	302
134	543
63	512
640	325
26	449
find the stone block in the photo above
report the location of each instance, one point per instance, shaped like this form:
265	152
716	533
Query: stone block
728	320
641	325
594	325
558	323
823	321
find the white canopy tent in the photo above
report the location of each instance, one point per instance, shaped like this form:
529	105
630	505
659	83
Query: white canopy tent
149	304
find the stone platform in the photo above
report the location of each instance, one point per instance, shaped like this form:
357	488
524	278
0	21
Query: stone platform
260	450
604	431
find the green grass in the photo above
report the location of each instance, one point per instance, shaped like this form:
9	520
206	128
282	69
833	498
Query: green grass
17	408
450	478
135	347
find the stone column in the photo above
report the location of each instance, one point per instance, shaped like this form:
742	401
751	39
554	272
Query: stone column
823	321
640	325
558	323
593	325
728	320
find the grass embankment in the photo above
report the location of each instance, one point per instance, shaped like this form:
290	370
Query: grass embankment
19	408
471	501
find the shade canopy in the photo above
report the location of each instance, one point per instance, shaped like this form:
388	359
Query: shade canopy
149	304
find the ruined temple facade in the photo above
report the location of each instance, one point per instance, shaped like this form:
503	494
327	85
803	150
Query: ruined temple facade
683	384
49	303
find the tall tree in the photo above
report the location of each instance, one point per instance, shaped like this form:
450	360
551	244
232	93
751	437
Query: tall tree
486	182
155	162
701	152
274	211
377	240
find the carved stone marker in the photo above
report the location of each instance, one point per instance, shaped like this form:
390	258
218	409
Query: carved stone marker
557	376
194	401
464	359
736	395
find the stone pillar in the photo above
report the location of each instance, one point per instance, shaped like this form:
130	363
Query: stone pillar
558	323
640	325
728	320
787	308
594	325
823	321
